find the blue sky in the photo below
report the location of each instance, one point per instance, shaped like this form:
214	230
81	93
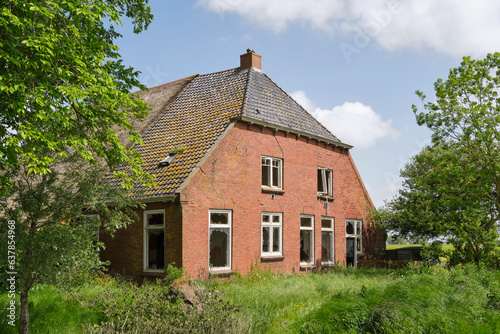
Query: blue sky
355	65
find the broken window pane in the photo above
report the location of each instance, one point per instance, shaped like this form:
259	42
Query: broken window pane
327	246
219	246
219	218
265	239
156	248
276	239
358	244
349	228
306	246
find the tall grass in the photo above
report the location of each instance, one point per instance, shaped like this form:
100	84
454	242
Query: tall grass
372	301
342	300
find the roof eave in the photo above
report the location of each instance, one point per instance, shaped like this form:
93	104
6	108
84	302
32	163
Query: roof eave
251	120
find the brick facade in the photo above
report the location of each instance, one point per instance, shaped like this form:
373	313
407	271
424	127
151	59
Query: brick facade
231	179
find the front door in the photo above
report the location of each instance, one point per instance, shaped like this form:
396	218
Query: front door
351	251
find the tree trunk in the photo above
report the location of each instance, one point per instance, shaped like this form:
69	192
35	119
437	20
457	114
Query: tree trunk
25	317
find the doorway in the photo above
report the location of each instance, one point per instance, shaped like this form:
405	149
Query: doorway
351	259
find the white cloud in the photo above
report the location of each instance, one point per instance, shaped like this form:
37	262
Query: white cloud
353	122
453	27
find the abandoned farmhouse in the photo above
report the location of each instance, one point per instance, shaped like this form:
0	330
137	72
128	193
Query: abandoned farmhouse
245	176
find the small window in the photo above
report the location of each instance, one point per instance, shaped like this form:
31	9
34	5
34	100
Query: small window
220	239
271	172
154	240
327	240
306	240
271	234
354	229
325	182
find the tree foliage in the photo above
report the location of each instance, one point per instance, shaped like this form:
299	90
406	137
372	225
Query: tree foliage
452	188
64	100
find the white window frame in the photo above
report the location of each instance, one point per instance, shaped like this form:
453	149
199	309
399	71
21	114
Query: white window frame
271	172
357	235
221	226
146	229
308	228
326	180
271	225
332	231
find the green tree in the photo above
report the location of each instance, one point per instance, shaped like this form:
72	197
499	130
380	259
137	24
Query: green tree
452	188
64	101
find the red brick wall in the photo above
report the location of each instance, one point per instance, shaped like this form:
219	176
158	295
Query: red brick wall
125	250
231	179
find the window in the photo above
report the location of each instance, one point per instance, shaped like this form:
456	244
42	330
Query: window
325	181
327	243
353	228
220	239
271	234
154	240
271	172
306	240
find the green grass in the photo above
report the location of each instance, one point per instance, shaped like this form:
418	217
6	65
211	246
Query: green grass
343	300
371	301
396	246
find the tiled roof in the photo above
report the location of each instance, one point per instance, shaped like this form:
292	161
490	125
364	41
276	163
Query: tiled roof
193	119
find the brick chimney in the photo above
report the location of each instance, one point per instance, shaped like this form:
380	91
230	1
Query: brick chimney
250	59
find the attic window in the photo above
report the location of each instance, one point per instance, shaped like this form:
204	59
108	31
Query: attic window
168	160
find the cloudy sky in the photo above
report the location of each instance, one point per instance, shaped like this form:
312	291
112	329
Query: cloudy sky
355	65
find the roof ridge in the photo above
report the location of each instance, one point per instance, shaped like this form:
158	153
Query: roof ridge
245	96
301	107
167	83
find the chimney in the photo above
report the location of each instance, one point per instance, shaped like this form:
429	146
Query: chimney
250	59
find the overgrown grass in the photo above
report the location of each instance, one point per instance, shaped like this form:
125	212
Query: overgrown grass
372	301
343	300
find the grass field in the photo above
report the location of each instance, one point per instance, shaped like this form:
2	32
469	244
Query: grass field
414	300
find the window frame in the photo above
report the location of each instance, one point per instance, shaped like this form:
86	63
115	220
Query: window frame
308	228
332	231
221	226
271	172
146	229
357	236
271	226
327	182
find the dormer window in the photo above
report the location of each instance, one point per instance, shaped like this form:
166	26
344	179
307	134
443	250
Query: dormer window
168	160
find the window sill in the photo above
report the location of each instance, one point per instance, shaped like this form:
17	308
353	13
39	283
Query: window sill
272	258
221	273
158	273
270	190
307	267
326	197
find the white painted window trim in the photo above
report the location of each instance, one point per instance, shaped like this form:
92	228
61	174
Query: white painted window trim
280	171
311	228
271	226
357	222
326	181
146	228
332	229
230	236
